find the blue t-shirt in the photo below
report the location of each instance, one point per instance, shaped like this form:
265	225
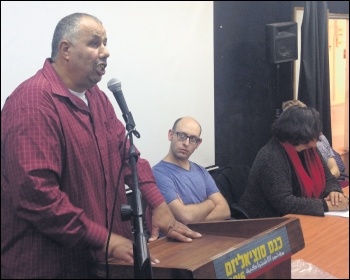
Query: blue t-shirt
325	148
328	152
192	186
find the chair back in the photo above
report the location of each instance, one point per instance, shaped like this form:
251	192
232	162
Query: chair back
232	180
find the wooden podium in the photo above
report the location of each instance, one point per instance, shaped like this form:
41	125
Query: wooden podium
234	249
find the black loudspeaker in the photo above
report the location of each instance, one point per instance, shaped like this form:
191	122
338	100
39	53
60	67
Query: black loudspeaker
281	42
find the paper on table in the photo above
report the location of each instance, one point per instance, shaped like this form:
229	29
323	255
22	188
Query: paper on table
301	269
338	213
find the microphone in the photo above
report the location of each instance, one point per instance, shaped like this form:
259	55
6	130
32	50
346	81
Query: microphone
115	86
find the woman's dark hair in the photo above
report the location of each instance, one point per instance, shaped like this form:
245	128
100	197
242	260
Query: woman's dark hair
297	125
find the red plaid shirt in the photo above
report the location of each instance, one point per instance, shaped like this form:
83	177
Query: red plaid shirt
60	162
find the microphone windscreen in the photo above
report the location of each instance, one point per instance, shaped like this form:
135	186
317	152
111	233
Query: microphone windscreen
114	85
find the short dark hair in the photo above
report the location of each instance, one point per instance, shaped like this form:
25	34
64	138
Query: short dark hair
67	28
297	125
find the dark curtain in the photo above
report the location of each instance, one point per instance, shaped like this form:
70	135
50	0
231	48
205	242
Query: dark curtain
314	89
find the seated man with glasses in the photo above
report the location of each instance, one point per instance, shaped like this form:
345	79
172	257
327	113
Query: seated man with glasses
187	187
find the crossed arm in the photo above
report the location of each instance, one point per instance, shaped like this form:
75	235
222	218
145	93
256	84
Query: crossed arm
213	208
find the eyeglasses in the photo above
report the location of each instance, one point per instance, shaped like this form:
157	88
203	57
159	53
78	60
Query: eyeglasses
183	137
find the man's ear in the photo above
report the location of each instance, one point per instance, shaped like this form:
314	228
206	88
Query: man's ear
64	49
198	143
170	134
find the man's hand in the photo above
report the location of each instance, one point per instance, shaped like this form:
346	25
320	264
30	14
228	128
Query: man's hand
122	248
163	220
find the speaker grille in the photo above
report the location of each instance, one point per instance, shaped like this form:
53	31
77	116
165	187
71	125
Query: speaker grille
285	46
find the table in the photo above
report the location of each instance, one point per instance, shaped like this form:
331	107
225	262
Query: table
326	243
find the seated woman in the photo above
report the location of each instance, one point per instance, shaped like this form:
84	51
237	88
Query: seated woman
322	144
288	175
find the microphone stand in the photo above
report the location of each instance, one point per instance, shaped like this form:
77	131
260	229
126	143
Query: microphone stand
142	260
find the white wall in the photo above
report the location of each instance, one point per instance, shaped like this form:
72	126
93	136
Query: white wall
162	52
298	18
